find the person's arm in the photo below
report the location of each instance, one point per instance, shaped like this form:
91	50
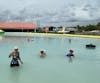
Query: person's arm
10	54
21	61
20	58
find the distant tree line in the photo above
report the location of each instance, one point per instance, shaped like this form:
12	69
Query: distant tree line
88	27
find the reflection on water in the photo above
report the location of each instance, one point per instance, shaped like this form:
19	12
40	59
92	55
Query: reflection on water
55	67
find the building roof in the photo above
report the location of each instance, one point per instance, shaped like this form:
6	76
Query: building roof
16	25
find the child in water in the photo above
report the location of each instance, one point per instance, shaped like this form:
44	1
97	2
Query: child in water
42	53
70	55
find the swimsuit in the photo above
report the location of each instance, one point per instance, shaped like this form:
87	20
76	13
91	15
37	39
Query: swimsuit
14	61
69	55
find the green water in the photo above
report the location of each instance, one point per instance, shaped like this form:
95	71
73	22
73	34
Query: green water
55	67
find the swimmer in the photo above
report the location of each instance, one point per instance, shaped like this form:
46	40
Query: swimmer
30	39
70	55
42	53
15	57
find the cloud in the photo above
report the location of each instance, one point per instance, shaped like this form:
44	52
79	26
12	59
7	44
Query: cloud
56	12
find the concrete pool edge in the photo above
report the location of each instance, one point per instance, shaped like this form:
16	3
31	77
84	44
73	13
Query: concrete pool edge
68	35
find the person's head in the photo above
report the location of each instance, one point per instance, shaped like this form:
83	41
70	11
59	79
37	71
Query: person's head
71	51
41	51
16	48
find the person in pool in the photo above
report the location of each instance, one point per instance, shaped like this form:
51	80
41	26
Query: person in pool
70	55
42	53
15	58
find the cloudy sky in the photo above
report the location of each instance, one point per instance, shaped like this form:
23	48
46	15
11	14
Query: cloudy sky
55	12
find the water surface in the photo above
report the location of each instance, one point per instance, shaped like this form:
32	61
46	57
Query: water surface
55	67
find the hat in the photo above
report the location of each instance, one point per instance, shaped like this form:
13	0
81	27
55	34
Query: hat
15	47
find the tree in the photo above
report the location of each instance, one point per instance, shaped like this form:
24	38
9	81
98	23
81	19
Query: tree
98	24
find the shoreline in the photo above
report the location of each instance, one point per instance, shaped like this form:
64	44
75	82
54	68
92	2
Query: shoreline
67	35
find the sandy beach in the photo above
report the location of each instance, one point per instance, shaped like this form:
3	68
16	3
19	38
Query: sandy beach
69	35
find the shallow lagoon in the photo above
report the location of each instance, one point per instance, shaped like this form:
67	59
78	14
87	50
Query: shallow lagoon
55	67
